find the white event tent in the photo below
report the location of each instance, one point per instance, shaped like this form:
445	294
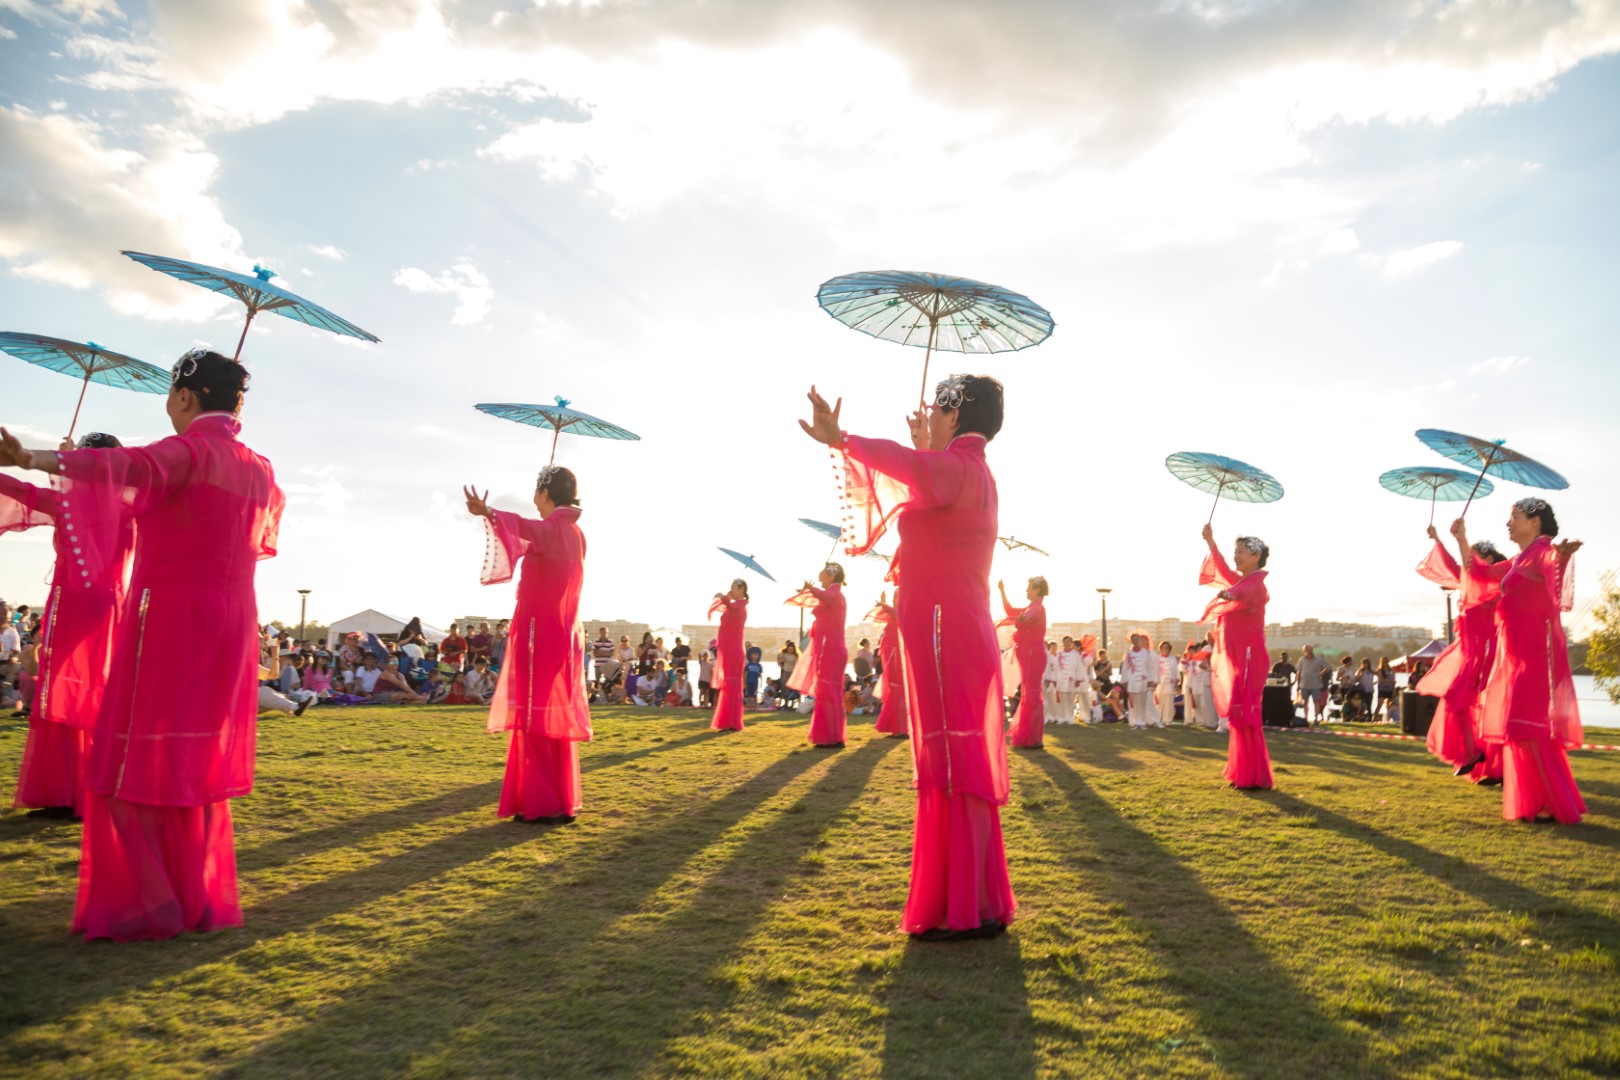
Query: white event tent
372	621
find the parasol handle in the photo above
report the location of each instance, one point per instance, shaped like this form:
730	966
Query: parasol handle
243	339
79	406
922	391
1477	482
555	435
1216	503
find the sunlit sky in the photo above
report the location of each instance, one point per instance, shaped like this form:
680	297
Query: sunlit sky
1288	232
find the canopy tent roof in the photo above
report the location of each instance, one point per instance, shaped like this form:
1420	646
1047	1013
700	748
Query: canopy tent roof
1428	652
372	621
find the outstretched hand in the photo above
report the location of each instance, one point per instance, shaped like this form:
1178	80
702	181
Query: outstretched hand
918	423
1459	530
1566	548
12	452
476	504
823	423
1434	534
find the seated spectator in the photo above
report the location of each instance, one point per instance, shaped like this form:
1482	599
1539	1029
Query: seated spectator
362	681
434	690
453	649
349	653
680	689
291	682
392	689
679	655
457	694
605	664
479	682
862	660
318	676
481	643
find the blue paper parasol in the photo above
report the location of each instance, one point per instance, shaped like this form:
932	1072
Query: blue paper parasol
559	418
935	311
825	528
748	561
88	361
1433	482
1224	476
256	294
1491	456
1012	543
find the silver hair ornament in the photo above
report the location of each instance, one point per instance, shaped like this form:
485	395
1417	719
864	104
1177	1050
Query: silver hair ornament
1531	506
545	476
952	392
1253	545
185	367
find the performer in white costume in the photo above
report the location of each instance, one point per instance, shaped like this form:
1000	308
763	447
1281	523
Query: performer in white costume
1049	686
1138	674
1069	673
1169	676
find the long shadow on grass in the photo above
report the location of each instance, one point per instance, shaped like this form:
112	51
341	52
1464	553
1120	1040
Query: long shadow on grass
959	1009
1453	870
284	914
525	976
349	830
1219	971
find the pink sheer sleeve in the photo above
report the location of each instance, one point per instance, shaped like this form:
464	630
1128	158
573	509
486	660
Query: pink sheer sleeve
26	506
99	489
504	546
717	608
1215	571
1486	571
879	477
1439	567
270	533
805	598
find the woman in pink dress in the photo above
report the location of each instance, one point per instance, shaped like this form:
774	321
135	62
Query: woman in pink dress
821	673
1239	661
1459	674
891	720
1029	646
1529	705
540	697
726	682
75	648
159	854
941	495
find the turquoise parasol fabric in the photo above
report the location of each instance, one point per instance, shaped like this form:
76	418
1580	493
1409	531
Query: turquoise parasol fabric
559	418
256	294
935	311
87	361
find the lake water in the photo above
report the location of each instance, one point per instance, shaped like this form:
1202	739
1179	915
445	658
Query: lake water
1596	708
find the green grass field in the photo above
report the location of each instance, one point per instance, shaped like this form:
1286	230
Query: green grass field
728	904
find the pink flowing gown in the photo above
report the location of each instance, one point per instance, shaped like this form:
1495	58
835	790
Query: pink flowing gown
945	507
821	673
1239	665
1529	705
1459	674
540	695
76	635
1029	646
159	852
727	679
891	719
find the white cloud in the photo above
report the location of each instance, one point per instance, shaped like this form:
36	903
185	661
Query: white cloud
1339	242
78	196
1415	260
1498	365
7	34
464	281
329	252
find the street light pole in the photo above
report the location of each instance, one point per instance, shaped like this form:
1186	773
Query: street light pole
1449	635
1104	594
303	609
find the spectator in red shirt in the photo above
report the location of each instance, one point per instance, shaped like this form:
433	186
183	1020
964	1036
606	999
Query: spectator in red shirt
453	649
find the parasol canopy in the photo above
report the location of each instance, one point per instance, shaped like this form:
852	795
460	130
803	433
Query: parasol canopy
559	418
749	562
87	361
935	311
1433	482
1012	543
1221	475
825	528
256	294
1491	456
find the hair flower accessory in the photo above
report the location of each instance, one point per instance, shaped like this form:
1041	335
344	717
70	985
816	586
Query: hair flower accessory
545	476
185	367
1531	506
951	393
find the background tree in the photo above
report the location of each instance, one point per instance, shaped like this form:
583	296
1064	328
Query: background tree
1603	647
